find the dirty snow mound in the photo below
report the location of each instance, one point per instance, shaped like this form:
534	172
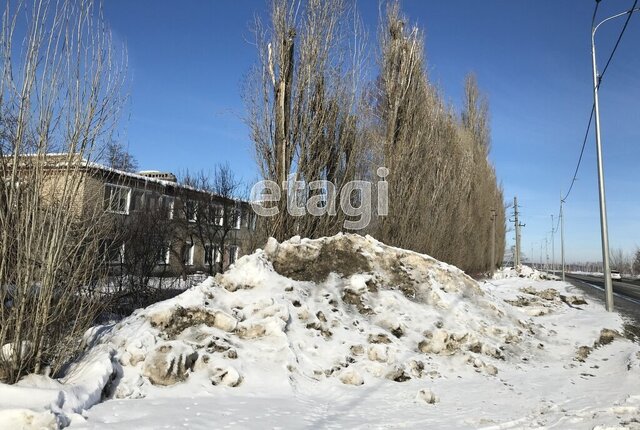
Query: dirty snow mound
345	308
523	271
312	326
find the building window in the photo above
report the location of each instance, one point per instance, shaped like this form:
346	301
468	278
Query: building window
151	201
191	210
233	254
208	254
211	254
245	219
187	254
253	220
117	255
218	215
113	253
167	205
117	198
237	218
163	254
137	200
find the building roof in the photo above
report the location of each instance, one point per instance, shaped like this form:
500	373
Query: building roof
63	157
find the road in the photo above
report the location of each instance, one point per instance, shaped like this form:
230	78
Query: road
628	289
626	299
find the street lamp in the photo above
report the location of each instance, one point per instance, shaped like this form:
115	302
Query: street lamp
604	229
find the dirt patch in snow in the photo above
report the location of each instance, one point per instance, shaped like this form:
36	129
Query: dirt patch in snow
316	261
632	332
174	323
606	337
541	302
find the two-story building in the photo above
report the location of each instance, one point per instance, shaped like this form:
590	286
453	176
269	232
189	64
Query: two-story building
183	229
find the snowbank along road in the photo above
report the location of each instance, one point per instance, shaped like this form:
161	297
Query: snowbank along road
346	332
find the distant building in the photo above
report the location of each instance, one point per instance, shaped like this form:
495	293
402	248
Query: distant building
191	214
164	176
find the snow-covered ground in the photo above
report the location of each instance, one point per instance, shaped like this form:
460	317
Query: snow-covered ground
523	271
580	272
345	332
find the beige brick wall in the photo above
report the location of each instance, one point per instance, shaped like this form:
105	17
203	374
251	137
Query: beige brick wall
91	187
54	183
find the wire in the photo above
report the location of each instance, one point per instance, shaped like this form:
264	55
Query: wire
615	47
555	230
595	11
593	106
584	144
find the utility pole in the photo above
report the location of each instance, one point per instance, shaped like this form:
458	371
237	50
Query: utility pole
515	212
517	226
531	255
541	257
553	245
546	252
493	240
562	233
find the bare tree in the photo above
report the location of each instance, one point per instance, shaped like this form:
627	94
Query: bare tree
139	245
226	187
308	120
635	267
212	220
621	261
443	190
60	91
303	100
116	156
475	114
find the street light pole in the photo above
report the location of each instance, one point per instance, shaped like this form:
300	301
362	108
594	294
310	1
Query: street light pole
553	248
516	224
493	240
531	258
562	233
604	228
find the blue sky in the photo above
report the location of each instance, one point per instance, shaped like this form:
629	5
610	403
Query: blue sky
188	59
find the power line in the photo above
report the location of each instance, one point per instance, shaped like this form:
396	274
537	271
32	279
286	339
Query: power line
595	11
555	230
584	144
615	47
586	135
613	51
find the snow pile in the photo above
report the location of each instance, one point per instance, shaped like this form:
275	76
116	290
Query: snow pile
347	308
40	402
541	302
303	330
523	271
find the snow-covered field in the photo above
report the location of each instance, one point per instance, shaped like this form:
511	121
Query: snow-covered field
345	332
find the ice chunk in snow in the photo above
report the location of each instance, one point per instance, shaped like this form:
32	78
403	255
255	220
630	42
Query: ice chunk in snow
170	363
427	396
26	419
225	376
9	350
351	377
